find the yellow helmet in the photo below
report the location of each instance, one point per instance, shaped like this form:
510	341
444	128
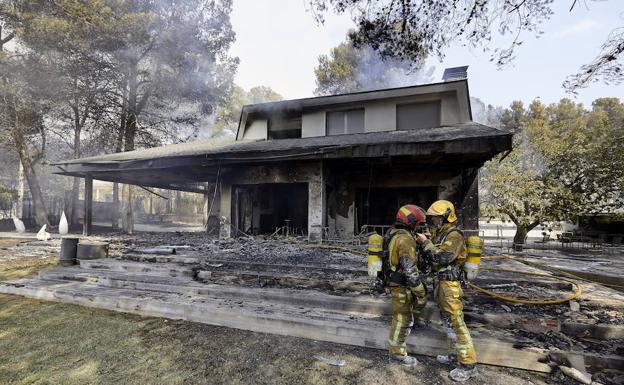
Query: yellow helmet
443	208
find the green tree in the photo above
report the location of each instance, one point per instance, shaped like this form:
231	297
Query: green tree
154	69
82	75
22	107
22	102
174	67
563	163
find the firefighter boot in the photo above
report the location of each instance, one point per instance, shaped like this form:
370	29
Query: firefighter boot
406	361
463	372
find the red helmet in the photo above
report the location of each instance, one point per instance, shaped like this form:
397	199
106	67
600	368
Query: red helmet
411	215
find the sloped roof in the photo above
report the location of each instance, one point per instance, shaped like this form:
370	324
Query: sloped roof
183	166
225	148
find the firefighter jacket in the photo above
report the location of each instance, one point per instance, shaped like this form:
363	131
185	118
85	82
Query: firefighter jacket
402	258
446	251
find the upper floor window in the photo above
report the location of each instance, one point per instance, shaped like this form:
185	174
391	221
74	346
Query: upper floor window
284	127
345	122
418	115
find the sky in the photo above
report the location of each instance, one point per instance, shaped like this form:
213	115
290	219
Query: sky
279	42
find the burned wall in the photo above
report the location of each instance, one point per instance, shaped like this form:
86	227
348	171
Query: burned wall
344	195
370	194
234	180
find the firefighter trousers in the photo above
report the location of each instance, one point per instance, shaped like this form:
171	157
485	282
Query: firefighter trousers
407	304
448	295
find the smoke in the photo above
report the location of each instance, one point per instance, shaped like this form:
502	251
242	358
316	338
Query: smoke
374	72
479	111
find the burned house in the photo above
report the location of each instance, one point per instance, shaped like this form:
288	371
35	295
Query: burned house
325	166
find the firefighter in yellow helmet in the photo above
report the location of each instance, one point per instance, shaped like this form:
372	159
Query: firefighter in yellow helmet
446	251
404	280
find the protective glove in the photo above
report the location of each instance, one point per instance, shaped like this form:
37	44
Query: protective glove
410	270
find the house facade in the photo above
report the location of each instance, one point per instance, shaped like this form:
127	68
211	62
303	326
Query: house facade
329	166
366	155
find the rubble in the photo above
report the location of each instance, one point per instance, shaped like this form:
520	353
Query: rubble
574	306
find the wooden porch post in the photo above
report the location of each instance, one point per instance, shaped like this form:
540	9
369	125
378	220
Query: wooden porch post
88	206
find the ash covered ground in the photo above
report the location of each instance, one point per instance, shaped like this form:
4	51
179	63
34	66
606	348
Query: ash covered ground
598	305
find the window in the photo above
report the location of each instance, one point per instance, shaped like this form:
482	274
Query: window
345	122
285	127
418	115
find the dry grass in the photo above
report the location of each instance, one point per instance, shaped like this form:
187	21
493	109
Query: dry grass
50	343
22	267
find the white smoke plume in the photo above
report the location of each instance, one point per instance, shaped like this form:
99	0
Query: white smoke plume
373	72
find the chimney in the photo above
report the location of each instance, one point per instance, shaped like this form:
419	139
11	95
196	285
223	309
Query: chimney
455	73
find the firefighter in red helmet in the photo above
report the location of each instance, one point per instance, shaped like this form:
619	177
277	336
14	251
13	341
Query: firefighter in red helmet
404	280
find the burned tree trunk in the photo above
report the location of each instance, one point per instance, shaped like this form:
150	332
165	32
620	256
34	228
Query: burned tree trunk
118	147
127	218
73	215
129	135
41	215
135	105
19	207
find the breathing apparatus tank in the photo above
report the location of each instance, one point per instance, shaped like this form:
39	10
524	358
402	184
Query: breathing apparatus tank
474	246
375	253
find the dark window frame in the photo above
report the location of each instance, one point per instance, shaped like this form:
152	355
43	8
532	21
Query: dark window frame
287	133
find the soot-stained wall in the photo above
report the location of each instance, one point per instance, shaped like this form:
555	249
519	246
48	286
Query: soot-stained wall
341	196
310	173
364	194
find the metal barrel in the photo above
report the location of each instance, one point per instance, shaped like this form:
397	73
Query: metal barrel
92	250
69	247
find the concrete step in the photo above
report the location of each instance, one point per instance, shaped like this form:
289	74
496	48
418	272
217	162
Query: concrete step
144	268
258	317
299	268
155	258
360	304
221	275
247	265
272	279
169	305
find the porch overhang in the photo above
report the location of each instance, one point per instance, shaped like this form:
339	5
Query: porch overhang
188	166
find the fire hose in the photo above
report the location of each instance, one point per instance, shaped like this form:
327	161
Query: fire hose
577	293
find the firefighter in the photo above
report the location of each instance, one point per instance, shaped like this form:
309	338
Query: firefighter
407	289
446	252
